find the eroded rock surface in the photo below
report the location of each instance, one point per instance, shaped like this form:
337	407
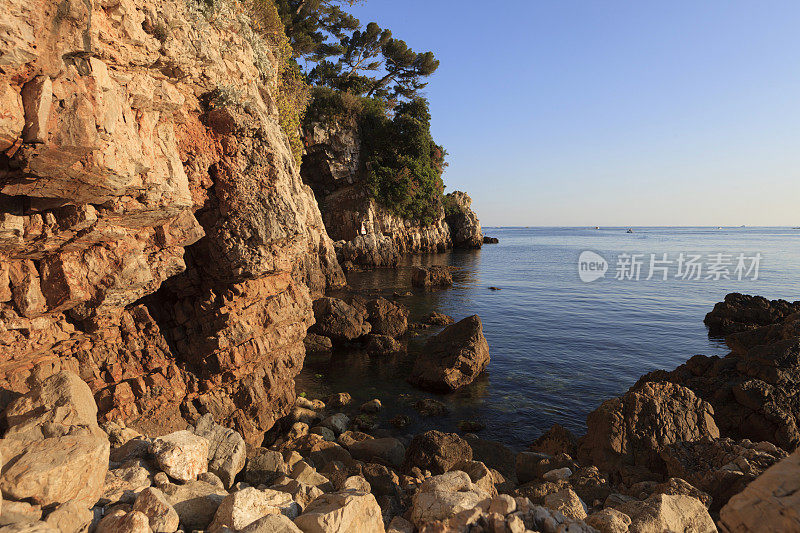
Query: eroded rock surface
130	161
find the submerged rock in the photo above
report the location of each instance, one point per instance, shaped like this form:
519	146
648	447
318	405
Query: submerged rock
434	277
453	358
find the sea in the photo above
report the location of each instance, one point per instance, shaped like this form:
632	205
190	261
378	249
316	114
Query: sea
576	316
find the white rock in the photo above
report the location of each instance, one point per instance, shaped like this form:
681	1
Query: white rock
244	507
342	512
182	455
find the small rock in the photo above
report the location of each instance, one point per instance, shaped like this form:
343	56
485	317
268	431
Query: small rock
357	484
339	400
437	319
324	432
227	451
372	406
387	451
567	503
502	504
400	421
338	423
195	502
70	517
558	474
211	479
609	521
382	345
316	344
121	522
436	451
429	407
471	426
265	467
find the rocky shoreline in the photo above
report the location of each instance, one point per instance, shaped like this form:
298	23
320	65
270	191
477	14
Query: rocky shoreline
662	457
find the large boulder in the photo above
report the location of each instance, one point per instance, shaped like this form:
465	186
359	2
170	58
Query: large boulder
53	451
196	502
342	511
226	449
753	392
453	358
241	508
442	497
626	434
387	318
436	451
338	320
770	503
662	512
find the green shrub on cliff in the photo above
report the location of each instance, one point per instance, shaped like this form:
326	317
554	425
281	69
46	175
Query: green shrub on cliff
403	164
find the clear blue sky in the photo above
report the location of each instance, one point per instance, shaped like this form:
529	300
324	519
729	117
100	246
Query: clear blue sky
567	112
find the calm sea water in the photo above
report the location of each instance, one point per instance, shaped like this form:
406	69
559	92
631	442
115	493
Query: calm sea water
561	346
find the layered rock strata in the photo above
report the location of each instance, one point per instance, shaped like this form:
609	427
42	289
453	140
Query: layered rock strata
129	159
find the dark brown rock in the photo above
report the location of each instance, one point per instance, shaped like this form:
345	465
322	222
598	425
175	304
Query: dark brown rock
626	434
434	277
556	440
741	312
453	358
387	318
338	320
436	451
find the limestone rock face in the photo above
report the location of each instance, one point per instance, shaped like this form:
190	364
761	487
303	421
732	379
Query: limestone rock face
626	434
121	172
770	503
465	228
453	358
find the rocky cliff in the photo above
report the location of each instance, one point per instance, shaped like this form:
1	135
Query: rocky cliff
155	235
333	167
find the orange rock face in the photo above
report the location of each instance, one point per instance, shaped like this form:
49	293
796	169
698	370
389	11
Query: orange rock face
162	247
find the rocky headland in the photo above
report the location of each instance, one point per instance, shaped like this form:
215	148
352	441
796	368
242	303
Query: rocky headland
366	234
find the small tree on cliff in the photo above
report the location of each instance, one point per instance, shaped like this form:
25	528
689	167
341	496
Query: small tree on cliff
375	64
315	27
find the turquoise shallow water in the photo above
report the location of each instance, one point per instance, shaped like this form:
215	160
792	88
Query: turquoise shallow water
561	346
